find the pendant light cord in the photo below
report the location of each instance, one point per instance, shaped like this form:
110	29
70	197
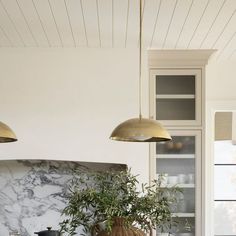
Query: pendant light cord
140	57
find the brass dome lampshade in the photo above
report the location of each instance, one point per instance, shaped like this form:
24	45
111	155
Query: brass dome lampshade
140	129
6	134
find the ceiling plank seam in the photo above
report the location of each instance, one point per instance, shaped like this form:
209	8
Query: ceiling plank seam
223	30
13	24
69	21
213	23
155	25
84	24
55	22
225	46
27	23
184	23
200	19
168	29
6	36
41	23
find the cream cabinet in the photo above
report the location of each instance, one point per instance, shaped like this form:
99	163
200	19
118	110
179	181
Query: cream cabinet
177	100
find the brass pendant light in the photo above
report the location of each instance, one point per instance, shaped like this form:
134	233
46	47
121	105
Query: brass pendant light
140	129
6	134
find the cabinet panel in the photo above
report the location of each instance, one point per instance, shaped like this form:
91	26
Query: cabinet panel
176	96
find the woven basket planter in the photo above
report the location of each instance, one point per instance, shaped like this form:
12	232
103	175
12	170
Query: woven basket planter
120	229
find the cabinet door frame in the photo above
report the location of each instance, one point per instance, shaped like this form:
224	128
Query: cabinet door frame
198	172
197	72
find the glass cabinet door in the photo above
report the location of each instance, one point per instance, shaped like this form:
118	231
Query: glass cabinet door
179	162
177	95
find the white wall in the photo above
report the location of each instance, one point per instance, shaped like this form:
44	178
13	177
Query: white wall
221	80
64	103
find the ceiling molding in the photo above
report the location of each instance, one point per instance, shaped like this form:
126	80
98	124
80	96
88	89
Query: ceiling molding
163	58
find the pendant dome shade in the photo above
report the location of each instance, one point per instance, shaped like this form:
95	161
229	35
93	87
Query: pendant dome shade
140	130
6	134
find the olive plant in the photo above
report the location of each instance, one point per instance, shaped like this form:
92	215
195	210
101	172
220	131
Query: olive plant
102	196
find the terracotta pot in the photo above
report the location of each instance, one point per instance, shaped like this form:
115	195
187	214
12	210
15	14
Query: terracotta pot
119	229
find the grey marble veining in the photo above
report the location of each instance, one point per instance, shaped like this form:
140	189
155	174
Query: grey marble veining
33	192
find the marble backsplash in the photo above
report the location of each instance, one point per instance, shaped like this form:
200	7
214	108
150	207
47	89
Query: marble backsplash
33	192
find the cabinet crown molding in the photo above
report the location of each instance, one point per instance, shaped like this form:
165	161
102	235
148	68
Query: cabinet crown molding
178	58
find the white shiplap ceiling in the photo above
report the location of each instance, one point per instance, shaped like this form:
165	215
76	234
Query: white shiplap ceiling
180	24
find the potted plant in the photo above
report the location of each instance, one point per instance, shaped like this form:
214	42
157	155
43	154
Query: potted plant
116	200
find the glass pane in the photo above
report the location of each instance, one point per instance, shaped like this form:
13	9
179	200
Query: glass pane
178	145
225	183
185	227
225	218
176	162
175	84
225	152
174	167
175	109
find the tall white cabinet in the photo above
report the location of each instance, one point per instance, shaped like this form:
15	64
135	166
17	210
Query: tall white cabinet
177	100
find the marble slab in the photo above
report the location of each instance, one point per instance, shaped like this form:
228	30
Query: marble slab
33	192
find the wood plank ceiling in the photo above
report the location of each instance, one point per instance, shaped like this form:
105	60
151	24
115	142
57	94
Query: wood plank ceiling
172	24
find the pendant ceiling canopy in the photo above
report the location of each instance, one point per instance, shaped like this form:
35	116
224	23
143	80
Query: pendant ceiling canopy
140	129
6	134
